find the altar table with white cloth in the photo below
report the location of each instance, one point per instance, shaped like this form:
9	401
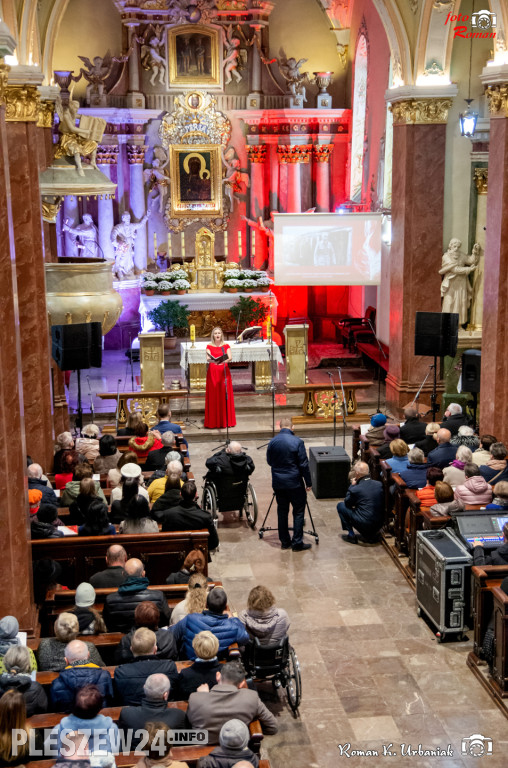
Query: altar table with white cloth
257	352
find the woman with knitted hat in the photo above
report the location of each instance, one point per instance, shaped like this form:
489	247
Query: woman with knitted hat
9	628
90	620
34	501
233	739
390	433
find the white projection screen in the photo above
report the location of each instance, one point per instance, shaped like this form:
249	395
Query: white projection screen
327	248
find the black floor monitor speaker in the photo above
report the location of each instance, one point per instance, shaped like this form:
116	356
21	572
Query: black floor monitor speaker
471	370
77	346
436	334
329	470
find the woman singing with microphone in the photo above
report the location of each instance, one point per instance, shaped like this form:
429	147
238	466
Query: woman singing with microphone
218	377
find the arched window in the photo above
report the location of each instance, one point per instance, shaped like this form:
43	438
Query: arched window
359	112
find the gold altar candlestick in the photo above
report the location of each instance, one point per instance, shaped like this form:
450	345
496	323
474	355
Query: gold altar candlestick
170	248
253	246
155	245
193	335
183	244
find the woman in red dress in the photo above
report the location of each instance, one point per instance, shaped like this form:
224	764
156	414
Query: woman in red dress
217	376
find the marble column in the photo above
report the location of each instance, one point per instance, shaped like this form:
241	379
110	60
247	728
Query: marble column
21	129
106	157
14	529
294	157
273	161
481	176
137	205
322	154
493	410
135	99
257	156
419	138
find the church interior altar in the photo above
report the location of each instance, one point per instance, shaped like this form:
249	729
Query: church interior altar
259	353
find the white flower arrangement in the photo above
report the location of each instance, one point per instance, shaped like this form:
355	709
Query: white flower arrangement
263	281
150	285
249	283
177	274
231	274
149	277
160	276
246	274
233	283
181	285
164	285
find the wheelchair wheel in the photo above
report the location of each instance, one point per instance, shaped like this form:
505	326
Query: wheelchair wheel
250	506
209	502
294	681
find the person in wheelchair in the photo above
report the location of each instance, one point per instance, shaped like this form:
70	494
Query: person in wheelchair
230	470
262	619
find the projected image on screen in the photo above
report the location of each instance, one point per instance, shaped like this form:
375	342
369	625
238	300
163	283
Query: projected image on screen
327	249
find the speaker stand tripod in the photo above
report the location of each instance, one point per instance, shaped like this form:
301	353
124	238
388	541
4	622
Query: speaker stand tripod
269	528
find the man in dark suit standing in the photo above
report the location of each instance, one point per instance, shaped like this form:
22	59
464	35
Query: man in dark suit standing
363	506
291	481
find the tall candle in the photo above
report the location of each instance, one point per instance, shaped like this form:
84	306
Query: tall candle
183	243
170	250
225	243
240	244
155	244
193	334
253	242
269	329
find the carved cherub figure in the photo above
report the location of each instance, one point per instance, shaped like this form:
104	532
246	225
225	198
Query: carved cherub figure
96	73
157	180
234	177
290	71
231	59
153	52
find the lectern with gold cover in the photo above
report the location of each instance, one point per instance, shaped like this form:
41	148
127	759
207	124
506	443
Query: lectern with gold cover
296	354
151	356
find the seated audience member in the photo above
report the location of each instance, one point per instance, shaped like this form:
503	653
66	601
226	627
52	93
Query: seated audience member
78	672
108	456
454	474
34	502
35	482
171	496
85	718
158	748
88	444
138	519
129	489
230	464
44	525
130	676
500	500
13	718
78	510
204	667
415	474
375	431
262	619
466	436
46	577
72	489
363	507
90	620
413	429
454	418
226	628
51	653
475	489
171	456
165	424
147	615
446	503
17	676
152	708
129	472
158	487
113	575
230	698
399	450
143	442
195	600
194	563
97	521
445	452
427	494
498	556
9	628
429	442
64	443
390	433
133	419
119	607
234	747
157	459
70	460
188	516
483	454
496	467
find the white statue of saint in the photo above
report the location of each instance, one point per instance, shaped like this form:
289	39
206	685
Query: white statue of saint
456	288
86	235
123	236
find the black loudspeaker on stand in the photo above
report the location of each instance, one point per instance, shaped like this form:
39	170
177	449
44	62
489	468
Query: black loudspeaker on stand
436	335
329	471
471	375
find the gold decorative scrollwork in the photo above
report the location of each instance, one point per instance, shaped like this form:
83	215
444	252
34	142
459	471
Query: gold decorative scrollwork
497	97
50	209
148	407
22	104
4	74
325	404
481	180
45	114
421	111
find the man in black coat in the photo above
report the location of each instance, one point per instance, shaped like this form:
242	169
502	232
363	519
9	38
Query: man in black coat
188	516
114	574
363	507
157	459
153	708
445	452
119	607
454	418
291	481
131	676
36	483
413	429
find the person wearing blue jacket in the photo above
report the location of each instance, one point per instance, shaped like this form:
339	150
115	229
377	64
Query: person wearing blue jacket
415	474
80	671
445	452
291	481
226	628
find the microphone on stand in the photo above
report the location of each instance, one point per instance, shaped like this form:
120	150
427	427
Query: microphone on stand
237	326
90	393
118	402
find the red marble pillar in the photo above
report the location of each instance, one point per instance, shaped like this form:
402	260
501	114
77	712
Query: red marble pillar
322	154
16	595
257	156
493	408
27	224
419	138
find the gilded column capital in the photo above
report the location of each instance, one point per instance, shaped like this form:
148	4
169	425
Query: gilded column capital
497	97
297	153
322	152
431	111
45	114
136	153
22	104
107	155
481	179
256	153
4	74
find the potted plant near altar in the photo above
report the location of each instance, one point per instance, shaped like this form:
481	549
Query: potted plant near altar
251	312
149	287
263	283
178	274
232	285
172	318
249	285
181	285
164	287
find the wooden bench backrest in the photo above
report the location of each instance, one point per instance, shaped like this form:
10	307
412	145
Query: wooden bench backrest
484	578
